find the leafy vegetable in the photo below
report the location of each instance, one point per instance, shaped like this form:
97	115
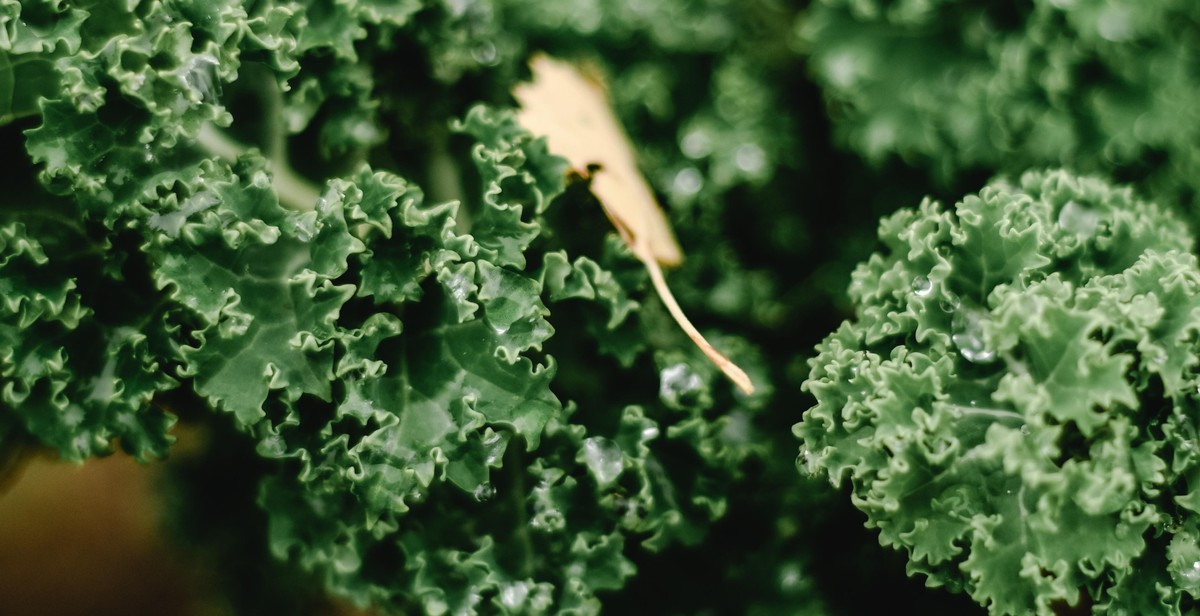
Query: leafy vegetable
330	245
458	402
1013	401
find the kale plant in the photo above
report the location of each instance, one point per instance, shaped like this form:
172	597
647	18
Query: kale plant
462	398
420	367
1014	402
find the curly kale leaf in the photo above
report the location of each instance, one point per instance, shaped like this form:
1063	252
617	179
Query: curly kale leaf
1011	402
82	353
464	402
442	414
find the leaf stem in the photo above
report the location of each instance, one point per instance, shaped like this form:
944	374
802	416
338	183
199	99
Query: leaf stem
731	370
517	466
294	192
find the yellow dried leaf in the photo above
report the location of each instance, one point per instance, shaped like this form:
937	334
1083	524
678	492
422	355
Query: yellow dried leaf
573	112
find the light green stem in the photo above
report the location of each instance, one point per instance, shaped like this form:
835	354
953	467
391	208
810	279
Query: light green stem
294	192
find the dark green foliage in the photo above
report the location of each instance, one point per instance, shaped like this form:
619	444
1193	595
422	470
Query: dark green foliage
1012	403
436	381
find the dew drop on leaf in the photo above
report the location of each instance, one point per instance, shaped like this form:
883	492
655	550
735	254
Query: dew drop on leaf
678	385
485	54
750	158
687	182
459	286
696	144
198	77
922	286
1190	576
806	463
968	337
604	459
494	444
790	578
484	492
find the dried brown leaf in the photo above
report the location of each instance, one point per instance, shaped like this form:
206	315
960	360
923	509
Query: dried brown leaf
573	112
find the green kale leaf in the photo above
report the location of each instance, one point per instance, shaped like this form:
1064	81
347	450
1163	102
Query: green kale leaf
1011	402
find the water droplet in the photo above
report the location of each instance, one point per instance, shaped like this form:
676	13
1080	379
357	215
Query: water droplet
1025	430
604	459
750	158
949	304
1078	219
1191	575
922	286
459	286
494	443
649	433
968	337
485	54
789	577
696	144
687	182
198	76
549	520
973	349
805	463
678	385
305	231
484	492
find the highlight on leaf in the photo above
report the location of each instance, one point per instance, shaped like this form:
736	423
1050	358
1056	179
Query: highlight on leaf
573	112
